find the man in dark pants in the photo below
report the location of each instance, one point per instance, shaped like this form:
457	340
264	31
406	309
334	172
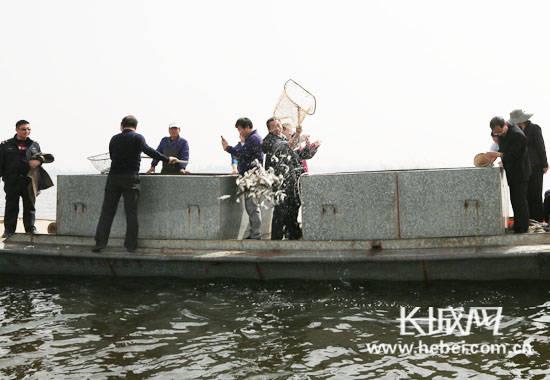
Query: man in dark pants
546	206
172	145
537	159
287	162
247	152
15	163
513	152
285	214
125	150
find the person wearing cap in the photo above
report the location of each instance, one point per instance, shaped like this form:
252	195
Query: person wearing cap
537	159
515	159
125	150
176	146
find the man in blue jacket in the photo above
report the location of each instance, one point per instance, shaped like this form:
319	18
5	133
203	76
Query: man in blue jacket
247	153
175	146
125	150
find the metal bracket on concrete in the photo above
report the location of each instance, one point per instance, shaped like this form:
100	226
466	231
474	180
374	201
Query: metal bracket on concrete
79	207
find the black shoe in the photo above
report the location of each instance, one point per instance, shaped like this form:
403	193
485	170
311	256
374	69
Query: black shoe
97	249
131	250
7	235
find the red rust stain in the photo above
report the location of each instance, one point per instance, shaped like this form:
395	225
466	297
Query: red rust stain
259	272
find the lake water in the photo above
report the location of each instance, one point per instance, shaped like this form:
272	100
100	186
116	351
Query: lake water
45	202
163	328
104	328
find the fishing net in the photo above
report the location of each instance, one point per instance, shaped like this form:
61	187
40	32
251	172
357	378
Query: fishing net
102	162
294	104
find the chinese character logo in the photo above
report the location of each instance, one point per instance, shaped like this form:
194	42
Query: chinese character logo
449	321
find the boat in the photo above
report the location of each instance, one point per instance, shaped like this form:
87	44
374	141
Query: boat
509	257
399	231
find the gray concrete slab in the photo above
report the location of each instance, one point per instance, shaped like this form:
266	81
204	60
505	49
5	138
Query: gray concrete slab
404	204
298	245
170	207
350	206
450	202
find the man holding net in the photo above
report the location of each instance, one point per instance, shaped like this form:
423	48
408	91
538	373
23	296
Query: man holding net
125	150
286	162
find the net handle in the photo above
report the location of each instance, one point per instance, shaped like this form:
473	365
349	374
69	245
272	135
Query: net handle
105	156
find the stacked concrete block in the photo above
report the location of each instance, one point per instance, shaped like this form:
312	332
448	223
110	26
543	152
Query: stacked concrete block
450	202
349	206
404	204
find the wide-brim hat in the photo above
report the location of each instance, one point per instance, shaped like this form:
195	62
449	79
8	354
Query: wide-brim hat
519	116
481	160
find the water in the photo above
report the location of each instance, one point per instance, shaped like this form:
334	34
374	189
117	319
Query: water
45	203
105	328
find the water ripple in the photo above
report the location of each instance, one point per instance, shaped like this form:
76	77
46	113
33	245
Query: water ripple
88	328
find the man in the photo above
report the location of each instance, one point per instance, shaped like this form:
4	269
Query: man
15	162
175	146
287	162
301	144
247	152
275	134
125	150
515	159
537	159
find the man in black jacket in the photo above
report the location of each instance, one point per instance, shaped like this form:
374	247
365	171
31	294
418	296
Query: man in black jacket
125	150
287	162
15	162
274	136
537	159
513	152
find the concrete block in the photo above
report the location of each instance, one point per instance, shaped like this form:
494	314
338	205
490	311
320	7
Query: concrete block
404	204
170	207
451	202
350	206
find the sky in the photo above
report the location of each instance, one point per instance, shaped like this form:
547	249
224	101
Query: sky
399	84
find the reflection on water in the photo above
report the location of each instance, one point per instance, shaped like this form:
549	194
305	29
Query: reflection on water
46	203
100	328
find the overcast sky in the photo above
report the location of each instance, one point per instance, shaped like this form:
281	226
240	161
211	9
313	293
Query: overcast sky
399	84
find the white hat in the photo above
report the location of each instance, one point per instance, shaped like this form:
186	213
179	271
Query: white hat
518	116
